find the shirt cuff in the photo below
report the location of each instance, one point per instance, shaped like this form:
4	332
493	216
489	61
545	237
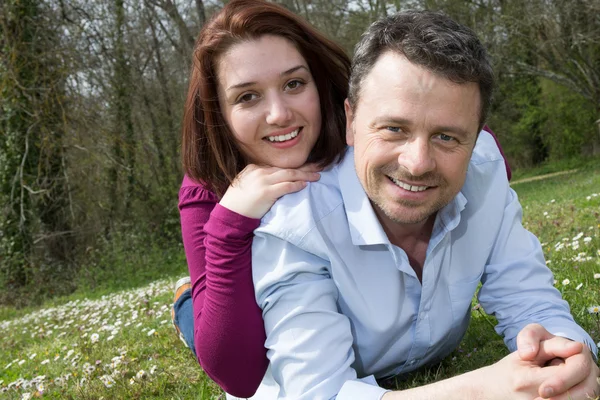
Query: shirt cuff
365	388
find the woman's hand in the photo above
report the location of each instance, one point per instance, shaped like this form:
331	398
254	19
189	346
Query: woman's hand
256	188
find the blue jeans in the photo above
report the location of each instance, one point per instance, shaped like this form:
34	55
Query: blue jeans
184	318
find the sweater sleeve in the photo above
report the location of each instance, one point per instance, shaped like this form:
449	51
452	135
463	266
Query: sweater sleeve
229	333
508	171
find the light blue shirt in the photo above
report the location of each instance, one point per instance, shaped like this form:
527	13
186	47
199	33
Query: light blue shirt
342	305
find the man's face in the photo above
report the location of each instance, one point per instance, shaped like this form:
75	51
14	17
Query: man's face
413	133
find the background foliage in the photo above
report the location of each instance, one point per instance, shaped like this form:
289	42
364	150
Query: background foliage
91	97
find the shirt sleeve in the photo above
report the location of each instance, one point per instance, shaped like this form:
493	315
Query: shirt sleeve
517	275
228	328
309	342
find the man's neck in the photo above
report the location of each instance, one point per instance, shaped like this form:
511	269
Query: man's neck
412	238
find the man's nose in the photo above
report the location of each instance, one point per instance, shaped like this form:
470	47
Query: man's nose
279	112
417	156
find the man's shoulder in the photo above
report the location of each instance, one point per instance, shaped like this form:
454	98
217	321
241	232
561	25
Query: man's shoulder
486	150
486	186
296	214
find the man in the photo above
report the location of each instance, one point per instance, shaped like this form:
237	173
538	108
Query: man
369	272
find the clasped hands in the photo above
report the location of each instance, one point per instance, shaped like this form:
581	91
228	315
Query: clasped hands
547	366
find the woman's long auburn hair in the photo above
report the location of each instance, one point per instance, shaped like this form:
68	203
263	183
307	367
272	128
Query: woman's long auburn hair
210	153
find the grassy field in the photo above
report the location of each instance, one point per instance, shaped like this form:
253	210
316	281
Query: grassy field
121	345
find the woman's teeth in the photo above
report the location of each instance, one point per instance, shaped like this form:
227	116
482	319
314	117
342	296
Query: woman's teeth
283	138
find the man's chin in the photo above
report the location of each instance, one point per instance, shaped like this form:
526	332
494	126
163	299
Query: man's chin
407	214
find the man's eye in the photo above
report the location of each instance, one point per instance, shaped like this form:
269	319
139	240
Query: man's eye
446	138
394	129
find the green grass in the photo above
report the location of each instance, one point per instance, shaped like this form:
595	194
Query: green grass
127	308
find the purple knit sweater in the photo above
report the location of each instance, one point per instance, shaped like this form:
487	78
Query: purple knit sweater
229	333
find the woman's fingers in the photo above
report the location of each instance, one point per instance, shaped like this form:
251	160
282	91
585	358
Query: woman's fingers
291	175
280	189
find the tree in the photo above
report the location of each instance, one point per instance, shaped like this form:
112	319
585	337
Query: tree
565	37
36	217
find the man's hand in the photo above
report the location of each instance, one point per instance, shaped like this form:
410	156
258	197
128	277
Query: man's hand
569	369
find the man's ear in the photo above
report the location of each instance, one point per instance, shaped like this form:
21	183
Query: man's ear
349	123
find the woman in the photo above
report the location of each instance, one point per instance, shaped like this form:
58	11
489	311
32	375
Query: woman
252	101
266	89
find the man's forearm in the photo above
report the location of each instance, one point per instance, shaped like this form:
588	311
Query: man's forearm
468	386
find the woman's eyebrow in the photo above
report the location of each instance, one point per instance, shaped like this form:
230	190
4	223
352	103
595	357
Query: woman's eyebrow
284	73
294	69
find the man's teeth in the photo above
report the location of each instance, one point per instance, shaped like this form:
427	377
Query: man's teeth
283	138
408	187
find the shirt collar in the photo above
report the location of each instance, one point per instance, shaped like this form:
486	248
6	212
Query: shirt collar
365	228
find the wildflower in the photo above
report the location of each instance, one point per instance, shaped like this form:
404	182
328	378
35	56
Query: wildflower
565	282
587	239
94	337
151	332
46	361
21	362
88	369
579	286
107	380
594	309
141	374
132	381
477	307
596	276
26	396
31	357
152	369
111	337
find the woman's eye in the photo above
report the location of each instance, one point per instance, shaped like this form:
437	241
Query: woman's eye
247	97
295	84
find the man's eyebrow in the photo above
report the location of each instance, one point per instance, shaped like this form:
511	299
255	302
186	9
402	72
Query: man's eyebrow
452	129
388	119
284	73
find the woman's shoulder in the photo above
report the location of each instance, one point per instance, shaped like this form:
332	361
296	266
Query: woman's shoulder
192	190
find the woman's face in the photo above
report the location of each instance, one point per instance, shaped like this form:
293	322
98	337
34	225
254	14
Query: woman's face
269	100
